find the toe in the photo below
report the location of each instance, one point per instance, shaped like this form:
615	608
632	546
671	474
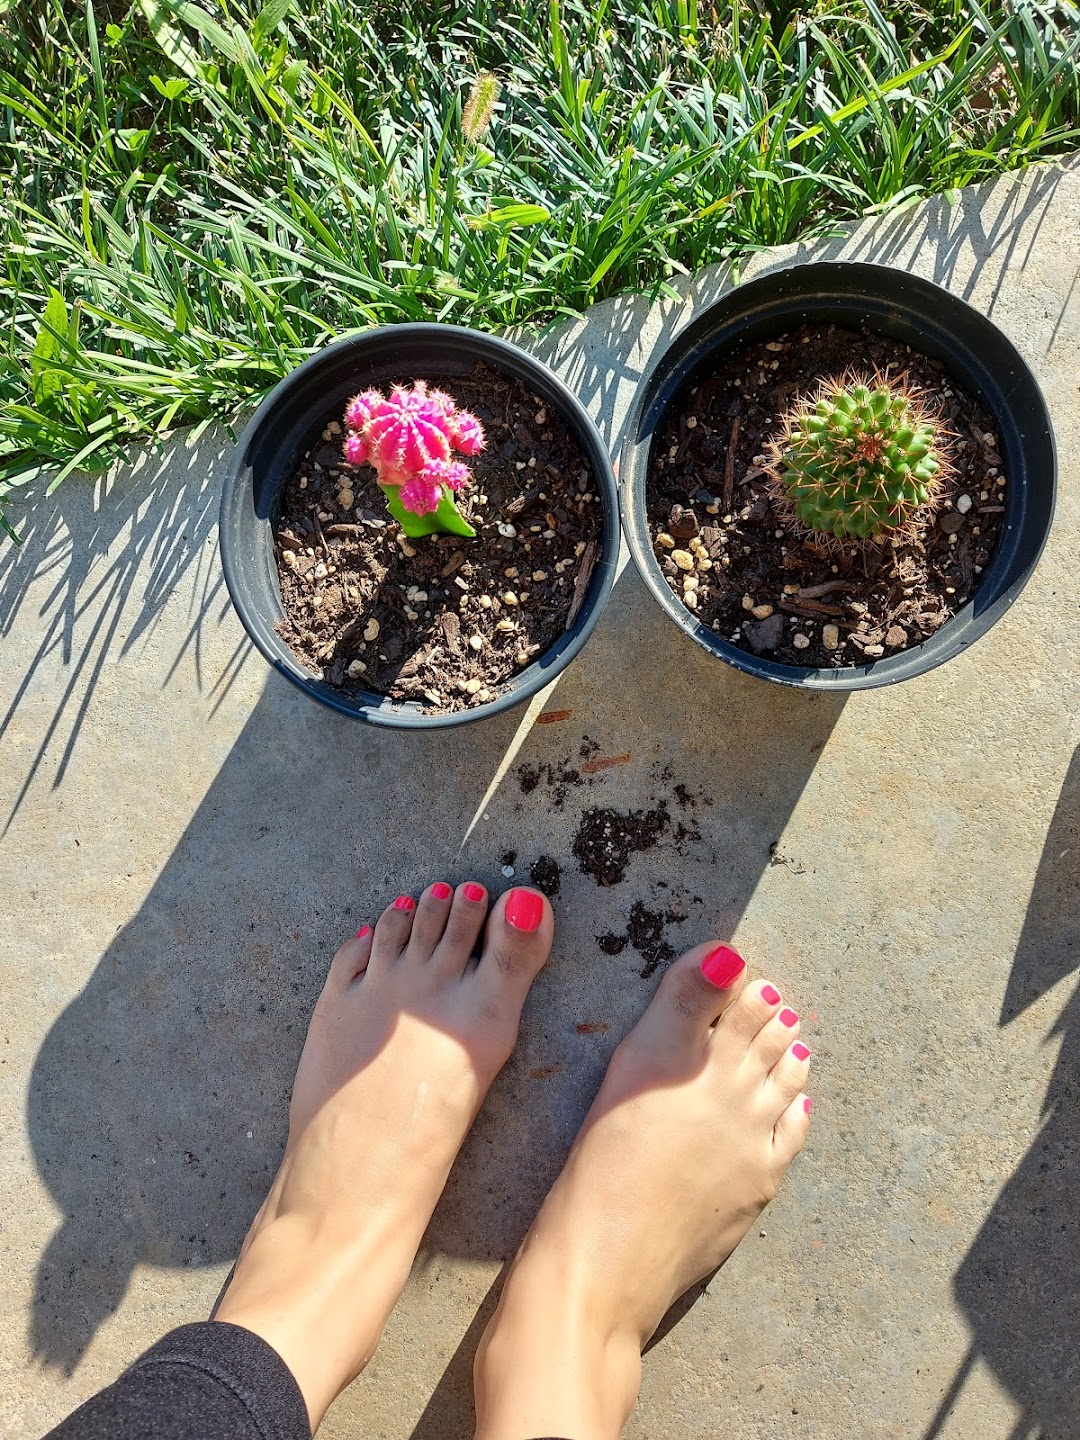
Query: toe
788	1075
754	1009
791	1130
393	930
429	921
517	942
695	990
774	1037
351	959
468	910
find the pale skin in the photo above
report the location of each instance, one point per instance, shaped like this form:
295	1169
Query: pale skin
702	1110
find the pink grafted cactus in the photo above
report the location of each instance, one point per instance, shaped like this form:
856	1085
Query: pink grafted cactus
408	438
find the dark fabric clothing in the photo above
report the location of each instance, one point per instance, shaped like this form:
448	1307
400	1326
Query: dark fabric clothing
202	1382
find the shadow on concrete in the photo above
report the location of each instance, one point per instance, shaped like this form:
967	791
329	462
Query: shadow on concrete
604	356
157	1103
952	234
1019	1284
451	1411
117	547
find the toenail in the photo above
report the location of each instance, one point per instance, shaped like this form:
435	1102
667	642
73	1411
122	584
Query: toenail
806	1104
524	910
788	1018
404	902
800	1051
474	893
441	891
364	930
722	966
770	995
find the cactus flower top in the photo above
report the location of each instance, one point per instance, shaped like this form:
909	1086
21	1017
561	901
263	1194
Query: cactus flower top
409	438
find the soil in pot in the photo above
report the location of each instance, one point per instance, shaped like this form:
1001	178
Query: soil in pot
442	621
781	594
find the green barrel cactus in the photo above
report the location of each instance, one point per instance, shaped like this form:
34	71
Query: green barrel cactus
858	460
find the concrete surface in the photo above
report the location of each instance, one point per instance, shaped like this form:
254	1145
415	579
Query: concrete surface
186	840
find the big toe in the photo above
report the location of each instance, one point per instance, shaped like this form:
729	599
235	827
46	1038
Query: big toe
517	943
694	992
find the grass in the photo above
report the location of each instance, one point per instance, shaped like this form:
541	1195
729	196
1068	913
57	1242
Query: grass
202	193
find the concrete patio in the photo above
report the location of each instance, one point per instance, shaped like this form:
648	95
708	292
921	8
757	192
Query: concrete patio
186	840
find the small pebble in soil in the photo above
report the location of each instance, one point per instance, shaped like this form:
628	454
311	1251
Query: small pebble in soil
830	636
963	503
801	641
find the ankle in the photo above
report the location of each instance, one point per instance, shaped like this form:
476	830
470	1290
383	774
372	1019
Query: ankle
317	1299
551	1362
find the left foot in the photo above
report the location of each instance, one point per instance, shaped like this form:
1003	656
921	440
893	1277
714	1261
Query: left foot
406	1037
700	1113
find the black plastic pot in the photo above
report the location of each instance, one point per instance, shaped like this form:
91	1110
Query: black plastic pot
291	419
926	317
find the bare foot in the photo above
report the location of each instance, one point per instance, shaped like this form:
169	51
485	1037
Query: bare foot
700	1114
406	1037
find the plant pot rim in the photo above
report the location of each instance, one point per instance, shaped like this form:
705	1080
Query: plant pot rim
246	509
932	320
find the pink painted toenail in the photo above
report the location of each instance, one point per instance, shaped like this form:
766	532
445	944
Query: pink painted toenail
806	1104
769	995
524	910
800	1051
404	902
722	966
441	891
788	1018
364	930
474	893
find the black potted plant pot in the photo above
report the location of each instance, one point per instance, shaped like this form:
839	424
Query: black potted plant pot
290	421
882	302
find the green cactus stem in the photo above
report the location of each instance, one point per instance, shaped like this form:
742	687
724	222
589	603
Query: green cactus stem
859	460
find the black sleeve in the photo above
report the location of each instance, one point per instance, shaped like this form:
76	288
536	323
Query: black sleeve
210	1381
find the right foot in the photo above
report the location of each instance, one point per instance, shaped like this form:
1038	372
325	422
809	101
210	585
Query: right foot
407	1035
700	1114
